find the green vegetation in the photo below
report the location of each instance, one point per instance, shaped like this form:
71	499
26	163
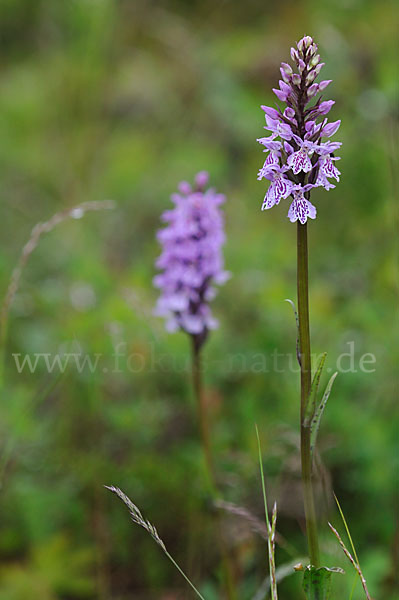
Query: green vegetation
108	99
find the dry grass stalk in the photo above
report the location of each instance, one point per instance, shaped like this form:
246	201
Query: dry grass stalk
77	212
271	527
352	560
256	525
136	515
138	518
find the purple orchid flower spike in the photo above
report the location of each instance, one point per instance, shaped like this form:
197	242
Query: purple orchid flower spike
191	259
299	156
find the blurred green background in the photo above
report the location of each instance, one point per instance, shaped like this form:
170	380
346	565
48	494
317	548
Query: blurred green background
103	99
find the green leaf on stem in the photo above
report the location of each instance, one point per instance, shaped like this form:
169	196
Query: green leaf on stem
316	419
317	581
312	400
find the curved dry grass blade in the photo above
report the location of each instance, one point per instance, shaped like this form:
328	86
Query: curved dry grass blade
257	526
352	560
138	518
77	212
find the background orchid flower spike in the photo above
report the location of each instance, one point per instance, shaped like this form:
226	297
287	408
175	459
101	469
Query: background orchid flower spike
191	260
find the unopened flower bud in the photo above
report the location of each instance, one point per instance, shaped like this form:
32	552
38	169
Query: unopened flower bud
325	107
286	78
329	129
184	187
296	79
312	49
271	112
201	179
307	40
314	60
283	96
309	125
300	45
318	68
289	113
301	65
312	91
323	84
287	68
294	55
311	76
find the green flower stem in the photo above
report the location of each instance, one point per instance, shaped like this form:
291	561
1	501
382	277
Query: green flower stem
209	467
306	381
202	415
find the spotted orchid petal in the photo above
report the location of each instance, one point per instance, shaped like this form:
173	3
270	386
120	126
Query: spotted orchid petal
301	209
328	168
279	189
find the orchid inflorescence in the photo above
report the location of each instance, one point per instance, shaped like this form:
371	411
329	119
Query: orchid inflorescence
299	160
191	258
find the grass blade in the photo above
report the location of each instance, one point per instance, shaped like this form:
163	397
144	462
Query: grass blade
271	528
311	402
350	540
316	420
354	562
346	528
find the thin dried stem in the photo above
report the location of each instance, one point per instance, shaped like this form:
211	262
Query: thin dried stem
205	438
352	560
203	417
77	212
271	527
257	526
